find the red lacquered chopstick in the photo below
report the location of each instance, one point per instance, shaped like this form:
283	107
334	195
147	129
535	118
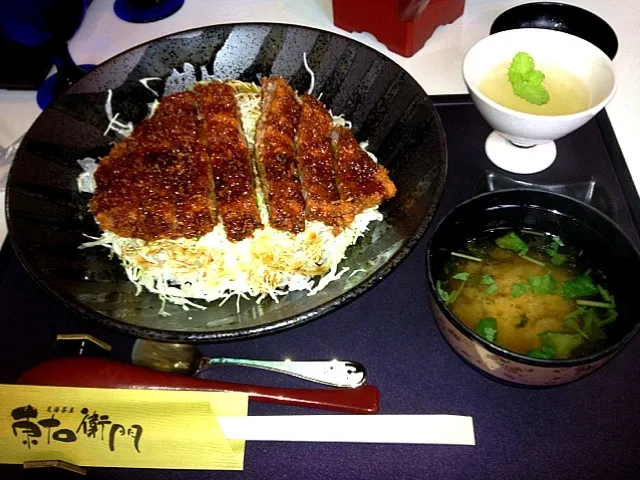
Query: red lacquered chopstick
96	372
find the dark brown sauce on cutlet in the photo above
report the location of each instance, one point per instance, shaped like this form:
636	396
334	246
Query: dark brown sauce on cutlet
314	156
174	123
230	160
276	158
314	153
360	179
156	183
190	162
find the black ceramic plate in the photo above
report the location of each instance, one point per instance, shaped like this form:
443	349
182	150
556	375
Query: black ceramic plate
48	217
563	18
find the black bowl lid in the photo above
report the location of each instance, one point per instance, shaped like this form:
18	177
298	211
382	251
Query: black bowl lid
563	18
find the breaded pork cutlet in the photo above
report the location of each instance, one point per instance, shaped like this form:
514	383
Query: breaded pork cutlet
276	158
157	183
361	181
190	163
229	158
314	156
174	123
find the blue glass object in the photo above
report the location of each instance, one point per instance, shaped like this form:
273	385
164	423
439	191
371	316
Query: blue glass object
47	24
38	22
56	84
144	11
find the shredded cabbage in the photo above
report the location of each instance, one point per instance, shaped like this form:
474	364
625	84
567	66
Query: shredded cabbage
145	84
312	82
86	183
124	129
271	263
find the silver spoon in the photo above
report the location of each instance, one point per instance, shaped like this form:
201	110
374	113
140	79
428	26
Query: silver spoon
186	359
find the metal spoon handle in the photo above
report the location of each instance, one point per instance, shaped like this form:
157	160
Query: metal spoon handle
336	373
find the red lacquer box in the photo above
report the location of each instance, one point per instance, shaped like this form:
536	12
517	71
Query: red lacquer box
402	25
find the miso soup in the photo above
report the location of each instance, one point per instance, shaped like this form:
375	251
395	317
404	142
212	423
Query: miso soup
529	293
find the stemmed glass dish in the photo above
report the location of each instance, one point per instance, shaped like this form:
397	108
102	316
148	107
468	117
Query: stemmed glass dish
524	142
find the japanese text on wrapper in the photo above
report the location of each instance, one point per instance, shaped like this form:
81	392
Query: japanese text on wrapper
68	424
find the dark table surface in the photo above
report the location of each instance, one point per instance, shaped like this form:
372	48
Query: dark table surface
588	429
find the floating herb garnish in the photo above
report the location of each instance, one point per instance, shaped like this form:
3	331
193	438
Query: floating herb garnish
606	296
581	286
557	259
488	328
533	232
591	303
512	242
575	321
492	285
447	297
465	256
464	276
444	295
533	260
518	289
543	284
563	343
546	352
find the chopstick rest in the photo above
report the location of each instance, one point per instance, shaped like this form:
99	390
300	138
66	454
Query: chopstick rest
417	429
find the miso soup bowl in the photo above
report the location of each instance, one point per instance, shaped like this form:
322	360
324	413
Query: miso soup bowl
578	224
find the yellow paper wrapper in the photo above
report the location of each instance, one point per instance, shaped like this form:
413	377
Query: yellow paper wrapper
119	428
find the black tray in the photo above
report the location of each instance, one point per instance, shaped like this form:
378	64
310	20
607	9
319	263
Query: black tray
588	429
